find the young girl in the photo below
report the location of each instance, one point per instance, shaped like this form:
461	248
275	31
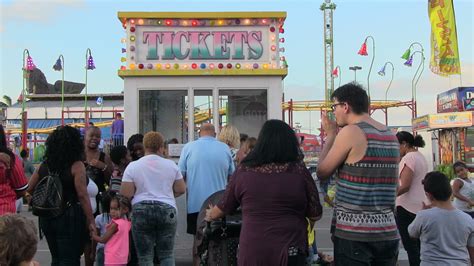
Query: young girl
463	189
101	222
116	237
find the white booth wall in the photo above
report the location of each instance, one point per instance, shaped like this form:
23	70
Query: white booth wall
169	110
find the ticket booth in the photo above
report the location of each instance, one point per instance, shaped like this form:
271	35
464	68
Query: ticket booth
182	69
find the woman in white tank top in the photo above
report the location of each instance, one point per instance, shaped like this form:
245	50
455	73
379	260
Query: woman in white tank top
463	189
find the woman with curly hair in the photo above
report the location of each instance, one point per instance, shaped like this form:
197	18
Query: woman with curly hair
66	233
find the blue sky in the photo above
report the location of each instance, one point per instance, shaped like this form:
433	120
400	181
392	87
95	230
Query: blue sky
69	27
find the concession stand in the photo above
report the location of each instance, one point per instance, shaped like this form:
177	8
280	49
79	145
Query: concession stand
452	127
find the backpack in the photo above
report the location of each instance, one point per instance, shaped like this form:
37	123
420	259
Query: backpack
47	200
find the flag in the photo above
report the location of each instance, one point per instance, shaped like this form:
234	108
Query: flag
99	101
444	43
335	73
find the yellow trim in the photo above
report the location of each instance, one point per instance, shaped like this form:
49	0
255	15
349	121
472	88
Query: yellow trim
200	15
203	72
49	130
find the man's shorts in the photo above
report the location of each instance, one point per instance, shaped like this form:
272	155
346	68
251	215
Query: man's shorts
192	223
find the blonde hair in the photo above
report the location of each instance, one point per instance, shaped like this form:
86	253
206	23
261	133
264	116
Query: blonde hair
18	240
230	136
153	141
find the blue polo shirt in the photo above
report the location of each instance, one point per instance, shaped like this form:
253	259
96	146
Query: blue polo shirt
206	163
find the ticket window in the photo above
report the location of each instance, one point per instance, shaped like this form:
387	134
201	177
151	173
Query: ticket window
246	109
203	109
164	111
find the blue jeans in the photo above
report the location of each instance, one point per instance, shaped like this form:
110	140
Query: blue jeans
154	229
356	253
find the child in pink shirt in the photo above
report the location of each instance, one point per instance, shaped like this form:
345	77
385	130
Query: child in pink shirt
116	237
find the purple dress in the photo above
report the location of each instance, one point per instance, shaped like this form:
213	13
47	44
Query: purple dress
275	200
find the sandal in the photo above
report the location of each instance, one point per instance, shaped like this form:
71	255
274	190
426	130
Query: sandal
325	259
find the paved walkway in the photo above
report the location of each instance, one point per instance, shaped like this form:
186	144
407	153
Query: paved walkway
184	242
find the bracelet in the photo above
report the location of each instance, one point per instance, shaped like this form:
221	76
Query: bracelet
105	168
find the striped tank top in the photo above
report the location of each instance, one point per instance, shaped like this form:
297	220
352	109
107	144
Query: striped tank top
366	190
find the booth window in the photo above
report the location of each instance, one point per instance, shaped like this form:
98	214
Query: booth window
164	111
245	109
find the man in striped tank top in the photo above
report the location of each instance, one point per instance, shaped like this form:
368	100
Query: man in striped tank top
365	153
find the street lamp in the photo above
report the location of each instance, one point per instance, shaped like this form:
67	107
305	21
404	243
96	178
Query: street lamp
382	73
89	66
355	68
27	65
59	66
408	56
363	52
337	73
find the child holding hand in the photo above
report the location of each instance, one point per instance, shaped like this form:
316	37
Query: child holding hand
116	237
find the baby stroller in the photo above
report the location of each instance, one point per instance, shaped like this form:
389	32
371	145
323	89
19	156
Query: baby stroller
218	241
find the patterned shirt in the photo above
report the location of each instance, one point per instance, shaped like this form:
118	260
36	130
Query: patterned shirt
116	180
11	181
366	190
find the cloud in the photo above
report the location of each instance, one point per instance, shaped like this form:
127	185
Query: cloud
36	10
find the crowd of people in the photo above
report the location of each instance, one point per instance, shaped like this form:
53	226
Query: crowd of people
120	208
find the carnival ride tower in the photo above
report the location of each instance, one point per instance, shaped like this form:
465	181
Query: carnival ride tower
328	9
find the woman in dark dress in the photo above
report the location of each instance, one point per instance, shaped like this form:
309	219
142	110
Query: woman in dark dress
98	164
277	194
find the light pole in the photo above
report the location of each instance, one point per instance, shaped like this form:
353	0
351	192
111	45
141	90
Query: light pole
382	73
408	55
363	52
59	66
28	65
89	66
355	68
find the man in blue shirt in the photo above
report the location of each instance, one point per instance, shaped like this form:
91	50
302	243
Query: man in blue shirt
117	130
206	165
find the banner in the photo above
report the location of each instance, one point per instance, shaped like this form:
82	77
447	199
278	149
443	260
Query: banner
444	43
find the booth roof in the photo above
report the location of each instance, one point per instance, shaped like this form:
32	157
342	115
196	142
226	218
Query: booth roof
200	15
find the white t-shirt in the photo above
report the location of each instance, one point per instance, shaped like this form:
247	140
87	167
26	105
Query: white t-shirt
153	177
467	190
413	198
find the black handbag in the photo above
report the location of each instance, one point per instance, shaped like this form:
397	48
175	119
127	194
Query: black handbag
227	227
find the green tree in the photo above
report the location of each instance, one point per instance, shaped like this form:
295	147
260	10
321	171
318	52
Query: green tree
7	100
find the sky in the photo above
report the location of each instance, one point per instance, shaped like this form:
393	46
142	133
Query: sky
48	28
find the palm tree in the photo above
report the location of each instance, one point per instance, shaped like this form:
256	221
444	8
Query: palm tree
7	100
